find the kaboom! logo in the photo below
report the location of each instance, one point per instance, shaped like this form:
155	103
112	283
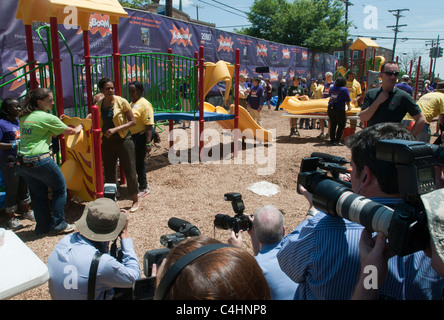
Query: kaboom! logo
181	36
225	44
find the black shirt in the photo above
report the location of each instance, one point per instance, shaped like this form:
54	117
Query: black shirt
393	109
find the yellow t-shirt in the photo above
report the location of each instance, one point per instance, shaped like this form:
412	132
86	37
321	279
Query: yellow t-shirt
431	104
354	89
144	115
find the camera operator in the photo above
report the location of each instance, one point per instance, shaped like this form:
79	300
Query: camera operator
374	251
322	255
266	234
70	262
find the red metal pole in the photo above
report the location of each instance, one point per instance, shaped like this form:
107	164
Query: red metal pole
417	76
117	86
57	77
430	71
116	60
201	100
87	58
351	60
170	122
31	58
196	93
97	151
236	102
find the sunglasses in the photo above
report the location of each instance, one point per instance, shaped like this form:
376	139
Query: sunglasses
391	73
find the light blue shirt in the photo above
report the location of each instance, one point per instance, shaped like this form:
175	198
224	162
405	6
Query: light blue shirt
323	257
69	265
281	286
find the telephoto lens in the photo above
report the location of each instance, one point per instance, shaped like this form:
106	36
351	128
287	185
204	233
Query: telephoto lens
335	199
223	221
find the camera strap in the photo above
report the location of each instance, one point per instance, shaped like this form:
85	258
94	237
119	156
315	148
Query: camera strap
92	276
173	272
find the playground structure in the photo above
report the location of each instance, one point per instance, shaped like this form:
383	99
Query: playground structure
164	74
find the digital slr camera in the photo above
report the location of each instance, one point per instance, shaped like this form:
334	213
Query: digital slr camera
406	225
239	221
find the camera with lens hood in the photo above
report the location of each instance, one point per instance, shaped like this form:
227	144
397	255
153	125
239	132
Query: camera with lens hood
239	221
406	224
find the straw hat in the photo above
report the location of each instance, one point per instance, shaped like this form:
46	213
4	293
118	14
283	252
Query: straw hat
101	220
435	218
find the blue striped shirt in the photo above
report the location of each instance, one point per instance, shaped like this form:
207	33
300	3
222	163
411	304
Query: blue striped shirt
322	255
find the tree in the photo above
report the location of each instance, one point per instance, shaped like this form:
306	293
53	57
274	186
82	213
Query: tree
316	24
135	3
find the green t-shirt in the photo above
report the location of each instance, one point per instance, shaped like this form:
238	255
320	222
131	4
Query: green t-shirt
36	130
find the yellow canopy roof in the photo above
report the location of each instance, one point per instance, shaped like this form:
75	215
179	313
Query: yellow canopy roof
362	43
41	10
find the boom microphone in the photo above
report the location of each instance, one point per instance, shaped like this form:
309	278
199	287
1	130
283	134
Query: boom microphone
183	226
329	157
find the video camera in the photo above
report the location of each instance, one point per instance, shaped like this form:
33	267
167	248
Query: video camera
143	289
406	225
239	221
183	229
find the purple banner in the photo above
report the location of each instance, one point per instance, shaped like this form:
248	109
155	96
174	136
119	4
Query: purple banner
146	32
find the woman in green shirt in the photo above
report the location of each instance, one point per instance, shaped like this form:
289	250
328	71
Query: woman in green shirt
37	167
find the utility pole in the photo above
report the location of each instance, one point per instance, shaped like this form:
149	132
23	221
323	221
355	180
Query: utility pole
396	27
346	58
169	8
197	10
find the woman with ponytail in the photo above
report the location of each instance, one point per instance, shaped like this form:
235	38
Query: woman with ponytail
37	167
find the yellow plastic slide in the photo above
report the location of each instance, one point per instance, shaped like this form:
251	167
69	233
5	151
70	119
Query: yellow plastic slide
248	127
294	105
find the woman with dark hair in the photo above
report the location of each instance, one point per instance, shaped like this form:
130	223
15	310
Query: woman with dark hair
116	118
226	273
37	167
142	132
339	97
16	188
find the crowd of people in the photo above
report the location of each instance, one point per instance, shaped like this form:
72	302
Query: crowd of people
323	258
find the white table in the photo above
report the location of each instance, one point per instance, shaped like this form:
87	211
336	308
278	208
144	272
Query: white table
20	268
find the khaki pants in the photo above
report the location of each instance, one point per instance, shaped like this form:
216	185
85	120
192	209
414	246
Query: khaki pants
256	115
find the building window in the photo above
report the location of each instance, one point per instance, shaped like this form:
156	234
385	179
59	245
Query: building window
355	55
339	55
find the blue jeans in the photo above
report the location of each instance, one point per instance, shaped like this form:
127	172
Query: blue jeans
46	174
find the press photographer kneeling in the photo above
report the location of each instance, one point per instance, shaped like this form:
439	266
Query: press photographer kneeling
74	268
322	254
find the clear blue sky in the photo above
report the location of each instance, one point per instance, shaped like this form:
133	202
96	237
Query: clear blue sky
424	20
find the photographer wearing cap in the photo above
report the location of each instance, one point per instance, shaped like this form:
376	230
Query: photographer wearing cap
70	263
266	234
322	254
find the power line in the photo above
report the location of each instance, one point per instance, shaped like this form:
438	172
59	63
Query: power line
246	13
212	5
